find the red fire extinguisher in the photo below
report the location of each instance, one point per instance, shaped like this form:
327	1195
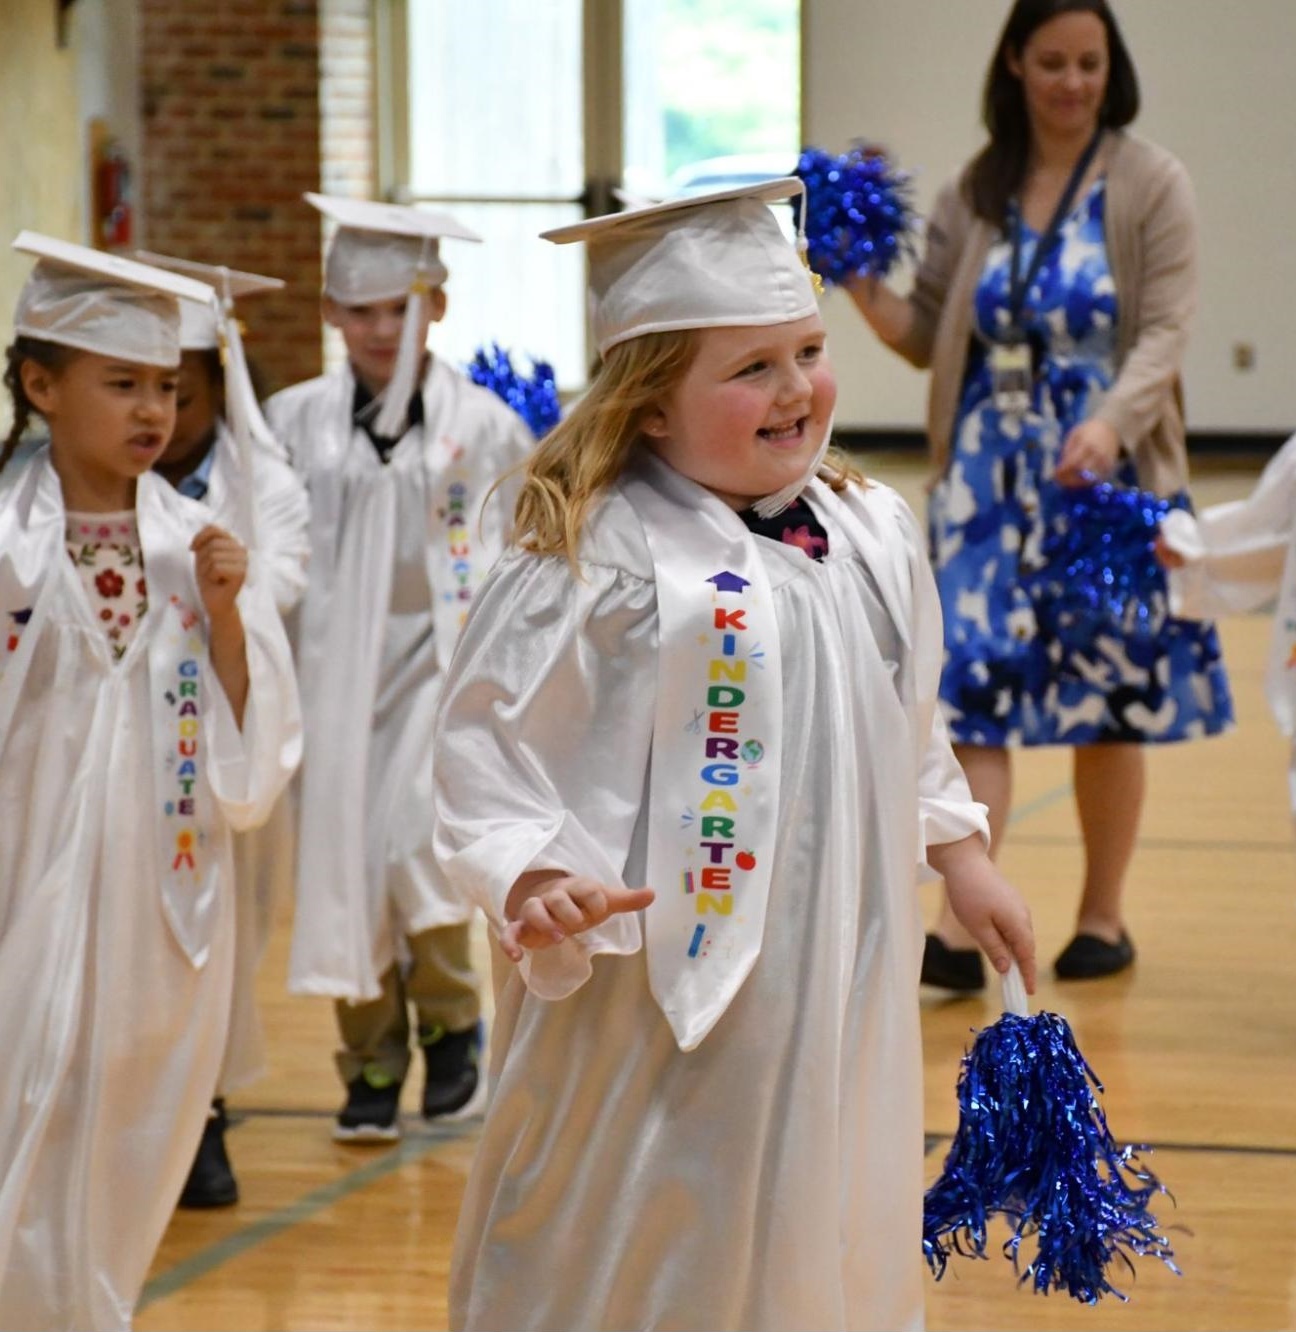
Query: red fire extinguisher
112	199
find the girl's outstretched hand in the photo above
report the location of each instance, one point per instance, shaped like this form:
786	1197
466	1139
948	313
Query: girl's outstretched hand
220	563
545	908
1167	556
987	905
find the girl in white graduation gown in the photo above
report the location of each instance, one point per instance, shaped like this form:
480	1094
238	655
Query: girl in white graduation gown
222	452
1236	557
706	1107
147	706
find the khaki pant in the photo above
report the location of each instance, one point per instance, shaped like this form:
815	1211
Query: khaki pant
440	985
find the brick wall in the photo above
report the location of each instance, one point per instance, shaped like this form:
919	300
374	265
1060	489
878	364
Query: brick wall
348	134
230	110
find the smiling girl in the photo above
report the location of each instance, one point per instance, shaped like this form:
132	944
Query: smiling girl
707	1107
147	706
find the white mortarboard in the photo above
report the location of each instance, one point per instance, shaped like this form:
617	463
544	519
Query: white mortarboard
214	326
707	261
388	252
200	326
103	303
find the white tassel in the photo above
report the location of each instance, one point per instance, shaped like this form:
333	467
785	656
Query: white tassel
773	505
242	411
393	415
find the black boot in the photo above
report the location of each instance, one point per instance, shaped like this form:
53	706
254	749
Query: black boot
451	1058
211	1181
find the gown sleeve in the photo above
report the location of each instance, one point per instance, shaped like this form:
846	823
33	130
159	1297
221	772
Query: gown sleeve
946	810
1235	551
283	526
248	768
542	743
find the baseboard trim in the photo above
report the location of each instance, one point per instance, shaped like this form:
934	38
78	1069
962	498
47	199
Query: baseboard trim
1237	443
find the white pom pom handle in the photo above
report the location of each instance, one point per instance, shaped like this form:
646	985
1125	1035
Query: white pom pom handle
1015	999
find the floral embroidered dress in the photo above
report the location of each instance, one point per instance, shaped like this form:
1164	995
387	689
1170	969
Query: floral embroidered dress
105	547
1014	674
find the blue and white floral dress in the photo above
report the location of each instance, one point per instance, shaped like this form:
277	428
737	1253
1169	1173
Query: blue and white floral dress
1017	671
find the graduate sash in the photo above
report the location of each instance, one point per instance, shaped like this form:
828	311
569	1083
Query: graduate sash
714	788
178	667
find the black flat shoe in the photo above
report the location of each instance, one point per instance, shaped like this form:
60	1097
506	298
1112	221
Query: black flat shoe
949	968
1087	957
211	1181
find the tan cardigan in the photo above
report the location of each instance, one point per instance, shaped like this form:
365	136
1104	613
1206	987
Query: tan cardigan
1151	232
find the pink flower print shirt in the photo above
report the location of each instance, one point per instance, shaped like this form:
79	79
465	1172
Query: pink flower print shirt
105	547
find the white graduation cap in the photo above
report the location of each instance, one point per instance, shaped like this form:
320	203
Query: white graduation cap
103	303
707	261
200	326
716	260
214	326
387	252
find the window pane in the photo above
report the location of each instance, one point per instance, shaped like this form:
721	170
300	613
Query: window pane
712	91
517	290
495	98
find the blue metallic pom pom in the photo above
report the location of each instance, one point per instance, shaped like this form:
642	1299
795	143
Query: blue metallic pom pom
859	213
1098	569
1033	1146
535	399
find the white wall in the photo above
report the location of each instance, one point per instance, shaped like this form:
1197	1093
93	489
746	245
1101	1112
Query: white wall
1218	90
106	35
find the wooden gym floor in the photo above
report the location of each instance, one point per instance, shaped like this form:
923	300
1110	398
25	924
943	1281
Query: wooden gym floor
1197	1048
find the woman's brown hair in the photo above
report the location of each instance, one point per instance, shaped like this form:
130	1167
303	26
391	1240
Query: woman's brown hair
998	171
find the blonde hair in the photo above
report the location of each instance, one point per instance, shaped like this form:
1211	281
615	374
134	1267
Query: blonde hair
589	449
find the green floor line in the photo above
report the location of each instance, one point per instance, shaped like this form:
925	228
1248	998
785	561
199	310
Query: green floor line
197	1265
1041	802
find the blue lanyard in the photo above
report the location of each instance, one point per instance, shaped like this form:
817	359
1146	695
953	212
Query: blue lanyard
1019	285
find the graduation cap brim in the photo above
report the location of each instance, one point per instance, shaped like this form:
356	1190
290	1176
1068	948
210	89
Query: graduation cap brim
111	268
240	284
391	219
767	191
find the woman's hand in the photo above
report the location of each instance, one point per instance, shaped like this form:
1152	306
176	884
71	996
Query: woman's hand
1089	452
992	911
888	315
545	907
220	563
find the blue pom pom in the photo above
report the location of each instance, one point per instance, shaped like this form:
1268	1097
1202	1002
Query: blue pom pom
535	399
1099	570
1033	1146
859	213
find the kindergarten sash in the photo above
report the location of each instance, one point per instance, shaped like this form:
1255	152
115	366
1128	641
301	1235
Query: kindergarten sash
714	791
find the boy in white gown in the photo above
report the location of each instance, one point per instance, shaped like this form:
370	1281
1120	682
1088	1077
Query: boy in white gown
147	707
706	1107
223	454
398	452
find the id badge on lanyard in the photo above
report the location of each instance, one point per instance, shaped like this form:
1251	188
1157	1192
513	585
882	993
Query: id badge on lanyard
1011	377
1012	367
